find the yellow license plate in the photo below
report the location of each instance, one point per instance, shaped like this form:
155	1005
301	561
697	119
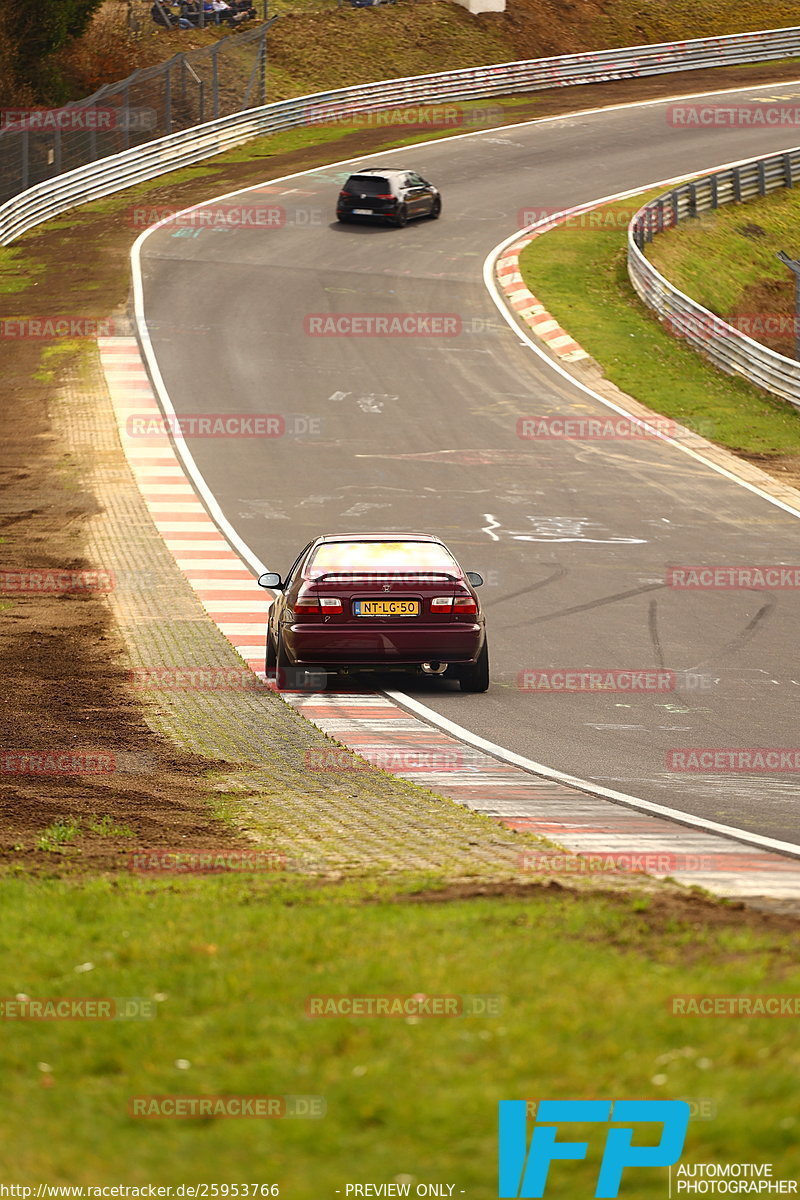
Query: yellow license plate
386	608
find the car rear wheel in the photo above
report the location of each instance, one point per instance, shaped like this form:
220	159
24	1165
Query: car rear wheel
475	678
436	209
401	219
288	677
270	661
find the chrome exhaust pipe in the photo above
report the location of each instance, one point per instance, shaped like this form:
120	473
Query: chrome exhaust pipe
434	668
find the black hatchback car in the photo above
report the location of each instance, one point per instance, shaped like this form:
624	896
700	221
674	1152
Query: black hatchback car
387	194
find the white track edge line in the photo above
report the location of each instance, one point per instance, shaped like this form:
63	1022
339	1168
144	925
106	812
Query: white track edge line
255	563
527	764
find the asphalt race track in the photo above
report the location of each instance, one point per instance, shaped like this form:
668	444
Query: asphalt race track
419	433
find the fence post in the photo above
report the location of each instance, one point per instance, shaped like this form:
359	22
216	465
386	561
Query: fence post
25	151
126	119
262	54
168	98
215	78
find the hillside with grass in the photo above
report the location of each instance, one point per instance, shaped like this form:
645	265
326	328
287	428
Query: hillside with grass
320	44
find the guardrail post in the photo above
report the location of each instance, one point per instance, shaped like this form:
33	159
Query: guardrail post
714	192
737	184
787	170
676	212
692	200
762	179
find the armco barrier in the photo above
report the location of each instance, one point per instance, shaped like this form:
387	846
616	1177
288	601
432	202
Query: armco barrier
725	345
118	171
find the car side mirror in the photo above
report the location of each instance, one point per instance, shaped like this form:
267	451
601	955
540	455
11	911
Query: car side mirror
474	578
270	579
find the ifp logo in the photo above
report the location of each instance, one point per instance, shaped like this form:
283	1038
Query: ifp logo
524	1169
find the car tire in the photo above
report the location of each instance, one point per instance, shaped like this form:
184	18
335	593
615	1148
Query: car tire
288	677
271	658
401	218
475	678
436	209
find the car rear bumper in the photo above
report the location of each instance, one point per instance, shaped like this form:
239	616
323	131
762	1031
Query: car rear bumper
387	646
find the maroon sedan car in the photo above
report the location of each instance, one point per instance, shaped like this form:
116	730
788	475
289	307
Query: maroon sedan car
377	602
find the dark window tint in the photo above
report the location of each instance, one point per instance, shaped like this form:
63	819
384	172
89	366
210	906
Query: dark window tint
367	185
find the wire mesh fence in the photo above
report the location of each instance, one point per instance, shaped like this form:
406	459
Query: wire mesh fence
188	89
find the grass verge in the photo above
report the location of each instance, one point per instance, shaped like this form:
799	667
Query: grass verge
727	261
228	964
579	272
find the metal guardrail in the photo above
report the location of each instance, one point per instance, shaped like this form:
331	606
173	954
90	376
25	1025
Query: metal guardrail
118	171
725	345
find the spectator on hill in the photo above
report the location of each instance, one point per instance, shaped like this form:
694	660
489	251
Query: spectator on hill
162	14
225	13
244	6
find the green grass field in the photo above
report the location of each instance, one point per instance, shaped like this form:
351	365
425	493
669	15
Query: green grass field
579	272
228	963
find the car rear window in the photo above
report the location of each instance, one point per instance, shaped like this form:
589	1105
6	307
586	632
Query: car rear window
374	557
367	185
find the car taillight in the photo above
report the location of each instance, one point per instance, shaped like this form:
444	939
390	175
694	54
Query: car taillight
384	196
343	195
465	604
306	604
319	605
441	604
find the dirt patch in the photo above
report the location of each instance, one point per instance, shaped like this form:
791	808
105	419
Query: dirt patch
773	301
660	910
64	692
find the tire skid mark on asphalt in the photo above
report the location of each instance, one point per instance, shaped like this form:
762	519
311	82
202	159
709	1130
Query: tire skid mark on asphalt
594	830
